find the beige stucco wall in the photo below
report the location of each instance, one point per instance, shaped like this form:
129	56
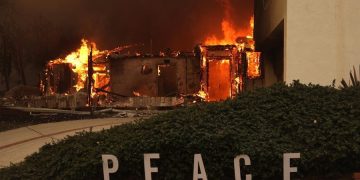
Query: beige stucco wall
322	40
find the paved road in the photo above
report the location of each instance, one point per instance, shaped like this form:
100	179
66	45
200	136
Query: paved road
16	144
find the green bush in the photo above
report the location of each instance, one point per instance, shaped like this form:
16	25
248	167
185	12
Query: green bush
322	123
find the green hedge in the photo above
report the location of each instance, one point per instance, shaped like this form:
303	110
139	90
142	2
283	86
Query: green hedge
322	123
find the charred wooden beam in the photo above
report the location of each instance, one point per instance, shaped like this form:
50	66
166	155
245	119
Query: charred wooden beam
90	79
108	92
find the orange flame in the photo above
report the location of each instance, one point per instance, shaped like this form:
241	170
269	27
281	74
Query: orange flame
137	94
253	69
79	62
229	29
222	85
230	33
202	95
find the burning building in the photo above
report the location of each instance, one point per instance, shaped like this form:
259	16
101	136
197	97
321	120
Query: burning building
220	72
216	70
223	65
116	76
212	72
226	70
70	75
228	64
154	76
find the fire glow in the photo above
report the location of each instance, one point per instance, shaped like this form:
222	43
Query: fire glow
78	61
229	29
225	63
223	59
230	33
253	64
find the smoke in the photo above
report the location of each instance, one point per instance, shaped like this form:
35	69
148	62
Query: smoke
175	24
228	9
53	28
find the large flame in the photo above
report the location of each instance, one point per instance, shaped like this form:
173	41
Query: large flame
79	62
229	29
220	83
230	33
253	70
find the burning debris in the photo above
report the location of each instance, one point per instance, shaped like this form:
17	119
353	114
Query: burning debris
225	70
219	69
70	75
227	63
253	65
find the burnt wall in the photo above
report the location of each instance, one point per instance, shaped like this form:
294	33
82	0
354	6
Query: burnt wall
154	76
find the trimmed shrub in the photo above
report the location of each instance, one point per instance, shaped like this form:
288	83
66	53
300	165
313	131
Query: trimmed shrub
322	123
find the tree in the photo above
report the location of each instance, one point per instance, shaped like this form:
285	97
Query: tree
11	45
5	55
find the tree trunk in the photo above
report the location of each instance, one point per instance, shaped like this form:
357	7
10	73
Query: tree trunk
22	74
6	71
7	84
20	65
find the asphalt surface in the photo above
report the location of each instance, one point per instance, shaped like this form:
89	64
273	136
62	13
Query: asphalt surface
16	144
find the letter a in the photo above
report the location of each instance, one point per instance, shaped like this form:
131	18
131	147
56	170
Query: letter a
199	162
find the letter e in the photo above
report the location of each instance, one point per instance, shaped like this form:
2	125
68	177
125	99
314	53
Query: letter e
286	161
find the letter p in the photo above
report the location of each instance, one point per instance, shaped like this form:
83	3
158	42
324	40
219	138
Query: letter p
106	169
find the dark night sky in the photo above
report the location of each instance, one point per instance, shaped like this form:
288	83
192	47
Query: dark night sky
177	24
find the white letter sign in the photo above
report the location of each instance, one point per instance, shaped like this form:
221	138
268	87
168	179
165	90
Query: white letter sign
286	161
237	166
106	169
147	165
199	162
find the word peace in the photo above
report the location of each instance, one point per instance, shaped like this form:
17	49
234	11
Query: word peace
199	168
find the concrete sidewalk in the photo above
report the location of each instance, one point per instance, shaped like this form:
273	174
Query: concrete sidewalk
16	144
